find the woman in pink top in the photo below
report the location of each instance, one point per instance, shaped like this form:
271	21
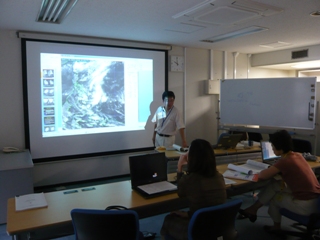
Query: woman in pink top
298	191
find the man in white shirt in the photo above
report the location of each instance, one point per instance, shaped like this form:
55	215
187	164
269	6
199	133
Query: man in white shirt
167	121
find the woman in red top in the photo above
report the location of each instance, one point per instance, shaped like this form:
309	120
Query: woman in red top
298	191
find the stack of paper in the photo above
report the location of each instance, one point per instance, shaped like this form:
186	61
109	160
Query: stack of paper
30	201
241	176
248	171
250	167
228	181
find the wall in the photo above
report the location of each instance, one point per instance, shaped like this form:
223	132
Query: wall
198	108
284	56
11	108
264	72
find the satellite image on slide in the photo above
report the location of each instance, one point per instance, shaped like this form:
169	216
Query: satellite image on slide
92	93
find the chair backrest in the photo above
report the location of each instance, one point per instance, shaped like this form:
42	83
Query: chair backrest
221	135
213	222
301	145
244	135
255	136
104	224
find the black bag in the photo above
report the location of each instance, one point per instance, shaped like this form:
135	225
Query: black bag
144	234
116	207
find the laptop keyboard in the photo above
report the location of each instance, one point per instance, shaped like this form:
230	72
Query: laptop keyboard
158	187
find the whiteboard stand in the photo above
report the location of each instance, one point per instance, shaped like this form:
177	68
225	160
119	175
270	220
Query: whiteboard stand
316	126
218	121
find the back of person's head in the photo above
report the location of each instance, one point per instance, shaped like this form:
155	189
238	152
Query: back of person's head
201	158
168	94
282	140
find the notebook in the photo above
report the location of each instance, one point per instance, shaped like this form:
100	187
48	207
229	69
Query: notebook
268	155
149	175
228	141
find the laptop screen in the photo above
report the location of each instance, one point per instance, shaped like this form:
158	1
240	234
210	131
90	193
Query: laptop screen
148	168
229	141
267	152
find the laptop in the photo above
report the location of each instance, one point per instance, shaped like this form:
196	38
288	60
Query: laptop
228	141
268	155
149	175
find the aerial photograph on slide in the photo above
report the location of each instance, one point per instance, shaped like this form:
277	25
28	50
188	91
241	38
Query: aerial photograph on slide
92	93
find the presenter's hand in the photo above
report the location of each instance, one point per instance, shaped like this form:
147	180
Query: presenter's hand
184	144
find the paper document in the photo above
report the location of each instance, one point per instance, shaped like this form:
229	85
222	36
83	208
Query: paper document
30	201
228	181
158	187
242	176
179	148
250	167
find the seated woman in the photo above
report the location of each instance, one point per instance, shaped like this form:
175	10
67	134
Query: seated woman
297	191
202	185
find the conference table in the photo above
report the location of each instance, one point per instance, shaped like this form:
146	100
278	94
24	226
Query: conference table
55	220
40	222
56	217
218	152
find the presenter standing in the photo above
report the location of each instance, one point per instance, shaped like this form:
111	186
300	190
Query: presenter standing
167	121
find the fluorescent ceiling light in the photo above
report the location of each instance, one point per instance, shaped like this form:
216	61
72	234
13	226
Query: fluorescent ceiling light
235	34
54	11
275	44
192	9
315	14
306	65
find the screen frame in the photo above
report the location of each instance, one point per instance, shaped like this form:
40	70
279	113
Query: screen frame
26	106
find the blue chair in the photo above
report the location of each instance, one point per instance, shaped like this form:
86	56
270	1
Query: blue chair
307	224
213	222
91	224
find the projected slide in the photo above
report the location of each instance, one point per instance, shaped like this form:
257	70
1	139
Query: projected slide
91	94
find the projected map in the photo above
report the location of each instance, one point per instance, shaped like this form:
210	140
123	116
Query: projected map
92	93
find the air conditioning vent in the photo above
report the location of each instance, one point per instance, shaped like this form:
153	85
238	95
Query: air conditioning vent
226	12
299	54
207	40
54	11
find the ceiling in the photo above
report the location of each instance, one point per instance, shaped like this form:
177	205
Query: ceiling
287	24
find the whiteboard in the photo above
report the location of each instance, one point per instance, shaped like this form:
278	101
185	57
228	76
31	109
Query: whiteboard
271	102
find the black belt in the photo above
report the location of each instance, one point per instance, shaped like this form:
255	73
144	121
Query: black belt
163	135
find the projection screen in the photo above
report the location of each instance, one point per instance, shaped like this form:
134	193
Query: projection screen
85	100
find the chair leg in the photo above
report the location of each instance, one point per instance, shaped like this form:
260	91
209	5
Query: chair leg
302	235
316	237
